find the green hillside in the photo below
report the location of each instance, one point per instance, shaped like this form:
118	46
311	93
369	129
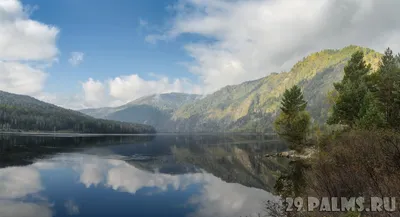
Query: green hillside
24	113
252	106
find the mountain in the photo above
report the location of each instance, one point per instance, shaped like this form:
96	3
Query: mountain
155	110
253	105
98	112
248	107
25	113
167	102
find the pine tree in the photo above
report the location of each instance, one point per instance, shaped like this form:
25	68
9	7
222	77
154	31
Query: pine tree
294	122
293	101
351	91
371	116
385	86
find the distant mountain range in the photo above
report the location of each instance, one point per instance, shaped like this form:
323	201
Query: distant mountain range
25	113
154	110
247	107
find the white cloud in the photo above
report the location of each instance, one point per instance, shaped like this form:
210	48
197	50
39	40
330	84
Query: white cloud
95	91
21	78
250	39
26	47
76	58
133	86
23	38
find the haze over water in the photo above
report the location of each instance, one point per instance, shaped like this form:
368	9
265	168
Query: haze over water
165	175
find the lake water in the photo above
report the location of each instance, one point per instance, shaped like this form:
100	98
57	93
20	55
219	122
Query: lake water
164	175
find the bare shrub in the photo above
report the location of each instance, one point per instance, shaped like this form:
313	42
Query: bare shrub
357	163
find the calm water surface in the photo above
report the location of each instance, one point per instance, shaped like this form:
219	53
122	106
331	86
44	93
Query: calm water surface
166	175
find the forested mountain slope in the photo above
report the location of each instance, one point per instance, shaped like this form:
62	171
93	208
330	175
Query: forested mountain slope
19	112
252	106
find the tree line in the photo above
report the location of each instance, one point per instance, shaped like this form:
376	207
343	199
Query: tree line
26	118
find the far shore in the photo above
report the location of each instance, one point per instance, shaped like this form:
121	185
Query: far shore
66	134
61	134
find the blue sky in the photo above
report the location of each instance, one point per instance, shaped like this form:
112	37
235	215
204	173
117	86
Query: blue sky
86	53
111	35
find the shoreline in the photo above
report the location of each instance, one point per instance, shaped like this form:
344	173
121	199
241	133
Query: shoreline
69	134
307	154
65	134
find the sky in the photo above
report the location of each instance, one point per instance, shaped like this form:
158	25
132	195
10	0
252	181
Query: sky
86	53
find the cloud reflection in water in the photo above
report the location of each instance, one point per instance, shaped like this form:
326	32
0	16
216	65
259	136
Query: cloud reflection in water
213	196
16	183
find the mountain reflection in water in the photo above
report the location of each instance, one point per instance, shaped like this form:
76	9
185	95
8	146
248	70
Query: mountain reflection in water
136	176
